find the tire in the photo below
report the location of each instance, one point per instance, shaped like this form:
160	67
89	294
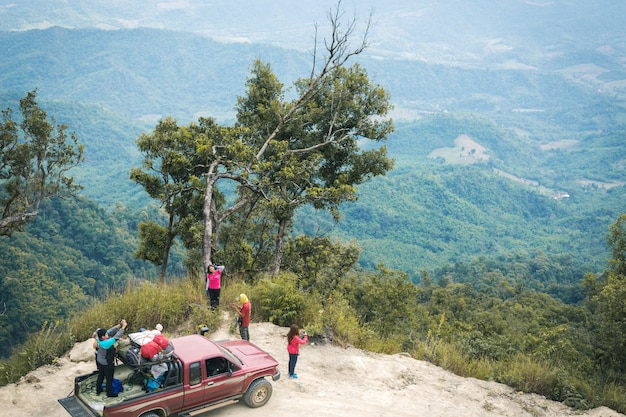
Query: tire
258	393
150	414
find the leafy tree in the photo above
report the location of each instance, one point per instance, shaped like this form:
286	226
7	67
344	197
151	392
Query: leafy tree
617	241
169	162
304	151
320	263
607	300
35	158
315	158
386	302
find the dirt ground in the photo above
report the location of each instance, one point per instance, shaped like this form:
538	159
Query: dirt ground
333	381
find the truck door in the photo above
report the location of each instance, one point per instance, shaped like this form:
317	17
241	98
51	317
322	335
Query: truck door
221	382
194	392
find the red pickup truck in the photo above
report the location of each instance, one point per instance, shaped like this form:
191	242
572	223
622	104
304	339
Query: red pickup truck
199	376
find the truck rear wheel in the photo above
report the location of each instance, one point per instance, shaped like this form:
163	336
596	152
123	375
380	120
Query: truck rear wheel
258	394
150	414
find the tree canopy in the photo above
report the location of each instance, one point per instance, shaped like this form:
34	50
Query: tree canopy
36	156
281	154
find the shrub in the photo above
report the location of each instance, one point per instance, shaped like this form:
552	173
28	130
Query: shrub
525	374
43	348
171	305
283	303
335	321
612	395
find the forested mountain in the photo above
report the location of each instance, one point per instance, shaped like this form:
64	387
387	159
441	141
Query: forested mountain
73	252
510	121
542	133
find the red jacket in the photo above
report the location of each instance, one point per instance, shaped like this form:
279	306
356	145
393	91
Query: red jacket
294	346
245	313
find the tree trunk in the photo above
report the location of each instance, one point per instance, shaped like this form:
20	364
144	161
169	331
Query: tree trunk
280	246
166	248
207	208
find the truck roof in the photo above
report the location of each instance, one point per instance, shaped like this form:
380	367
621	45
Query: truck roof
191	348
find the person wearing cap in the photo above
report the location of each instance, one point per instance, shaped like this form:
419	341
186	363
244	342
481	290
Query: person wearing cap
244	316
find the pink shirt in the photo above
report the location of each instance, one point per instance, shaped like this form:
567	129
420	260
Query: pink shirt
294	346
213	281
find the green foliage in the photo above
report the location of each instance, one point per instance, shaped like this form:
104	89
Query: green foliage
35	157
73	251
320	262
145	306
338	322
617	242
285	155
42	348
152	238
283	303
386	302
607	301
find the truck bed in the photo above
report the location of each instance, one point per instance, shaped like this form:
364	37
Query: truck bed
131	379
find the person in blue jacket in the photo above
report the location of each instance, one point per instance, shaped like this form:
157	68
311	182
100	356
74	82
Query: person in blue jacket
105	356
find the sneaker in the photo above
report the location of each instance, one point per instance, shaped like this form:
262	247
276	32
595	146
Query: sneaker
112	395
293	376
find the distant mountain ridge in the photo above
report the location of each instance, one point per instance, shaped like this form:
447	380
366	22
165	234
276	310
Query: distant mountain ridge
511	97
445	32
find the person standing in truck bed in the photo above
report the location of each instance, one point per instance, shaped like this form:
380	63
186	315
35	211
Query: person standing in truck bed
105	356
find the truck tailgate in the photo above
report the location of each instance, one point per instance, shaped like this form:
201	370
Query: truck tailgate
75	407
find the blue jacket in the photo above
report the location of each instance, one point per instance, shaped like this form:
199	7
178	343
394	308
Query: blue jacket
106	344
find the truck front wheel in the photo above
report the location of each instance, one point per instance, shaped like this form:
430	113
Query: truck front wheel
150	414
258	394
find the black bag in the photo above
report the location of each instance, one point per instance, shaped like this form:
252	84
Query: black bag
133	357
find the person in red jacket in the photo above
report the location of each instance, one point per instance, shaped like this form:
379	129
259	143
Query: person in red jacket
293	347
244	316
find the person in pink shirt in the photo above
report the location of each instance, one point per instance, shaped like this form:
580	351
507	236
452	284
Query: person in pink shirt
214	284
293	347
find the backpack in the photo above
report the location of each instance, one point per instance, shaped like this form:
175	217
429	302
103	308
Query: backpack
133	357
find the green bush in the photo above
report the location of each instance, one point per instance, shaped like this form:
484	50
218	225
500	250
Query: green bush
612	395
283	303
525	374
43	348
337	322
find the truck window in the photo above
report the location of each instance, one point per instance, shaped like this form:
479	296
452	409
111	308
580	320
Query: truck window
216	366
195	373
